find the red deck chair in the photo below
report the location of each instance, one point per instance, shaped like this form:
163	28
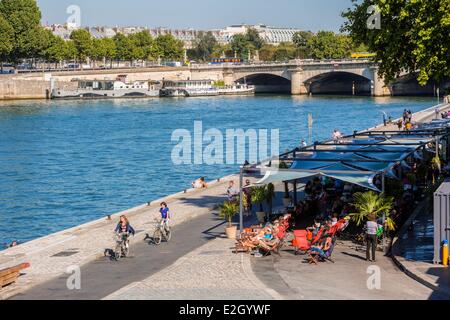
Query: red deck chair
339	226
301	243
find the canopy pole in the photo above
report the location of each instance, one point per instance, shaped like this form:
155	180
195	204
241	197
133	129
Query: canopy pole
241	200
295	193
383	188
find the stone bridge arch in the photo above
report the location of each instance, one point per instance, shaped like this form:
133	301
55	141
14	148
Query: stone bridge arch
266	82
346	82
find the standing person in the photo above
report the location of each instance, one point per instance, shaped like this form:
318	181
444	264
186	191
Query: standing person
405	115
232	193
248	198
437	111
371	237
165	215
400	125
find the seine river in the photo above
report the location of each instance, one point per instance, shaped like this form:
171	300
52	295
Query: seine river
63	163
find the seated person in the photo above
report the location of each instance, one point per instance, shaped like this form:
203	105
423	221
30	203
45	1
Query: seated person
316	227
268	241
199	183
322	247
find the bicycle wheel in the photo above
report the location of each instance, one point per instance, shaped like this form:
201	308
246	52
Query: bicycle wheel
157	237
126	250
118	252
168	236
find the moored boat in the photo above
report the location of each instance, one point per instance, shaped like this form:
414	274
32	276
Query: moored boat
108	89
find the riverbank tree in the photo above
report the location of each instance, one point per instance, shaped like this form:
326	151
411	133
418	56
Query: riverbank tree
6	38
406	36
203	46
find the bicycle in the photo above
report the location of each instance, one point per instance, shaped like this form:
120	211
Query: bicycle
122	249
161	232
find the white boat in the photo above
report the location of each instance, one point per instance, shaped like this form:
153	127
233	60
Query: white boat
198	88
237	89
188	88
108	89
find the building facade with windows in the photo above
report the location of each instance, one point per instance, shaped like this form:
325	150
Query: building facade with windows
271	35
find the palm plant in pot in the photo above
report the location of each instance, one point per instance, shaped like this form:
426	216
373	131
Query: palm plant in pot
371	203
258	197
227	212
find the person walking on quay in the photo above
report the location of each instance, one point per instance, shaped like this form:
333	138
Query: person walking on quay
232	193
371	238
248	206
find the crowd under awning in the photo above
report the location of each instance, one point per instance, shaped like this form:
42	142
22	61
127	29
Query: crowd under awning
355	161
358	159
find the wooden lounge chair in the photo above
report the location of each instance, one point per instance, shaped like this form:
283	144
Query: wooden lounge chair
10	275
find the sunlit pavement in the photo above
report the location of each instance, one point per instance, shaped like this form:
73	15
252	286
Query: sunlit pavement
349	278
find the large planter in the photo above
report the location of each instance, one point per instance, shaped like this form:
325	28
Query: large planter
261	216
231	232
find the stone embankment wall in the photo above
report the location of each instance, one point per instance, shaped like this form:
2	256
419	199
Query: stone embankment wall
14	88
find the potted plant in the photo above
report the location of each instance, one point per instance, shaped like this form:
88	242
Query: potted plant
227	211
370	203
258	197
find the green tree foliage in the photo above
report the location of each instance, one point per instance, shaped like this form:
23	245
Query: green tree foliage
414	36
240	45
83	42
168	47
71	51
110	50
56	49
251	41
24	17
222	51
124	47
268	53
204	45
252	36
328	45
302	39
6	38
371	203
142	43
285	51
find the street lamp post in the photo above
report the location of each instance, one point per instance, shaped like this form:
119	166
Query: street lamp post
241	200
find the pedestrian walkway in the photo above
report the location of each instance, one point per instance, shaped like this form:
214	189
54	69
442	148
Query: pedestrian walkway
212	272
414	249
51	256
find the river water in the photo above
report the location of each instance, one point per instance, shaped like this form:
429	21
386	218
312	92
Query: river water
63	163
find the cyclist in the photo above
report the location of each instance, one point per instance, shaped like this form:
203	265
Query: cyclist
124	227
165	215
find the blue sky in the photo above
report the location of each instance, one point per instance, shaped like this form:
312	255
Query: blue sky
201	14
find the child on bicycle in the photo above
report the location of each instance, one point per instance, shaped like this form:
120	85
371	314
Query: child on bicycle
165	215
124	226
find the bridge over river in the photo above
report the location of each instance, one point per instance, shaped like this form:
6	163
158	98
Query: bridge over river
348	77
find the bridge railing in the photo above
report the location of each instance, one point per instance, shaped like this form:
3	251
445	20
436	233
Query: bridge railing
296	62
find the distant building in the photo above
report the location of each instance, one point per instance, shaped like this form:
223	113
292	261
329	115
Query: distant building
271	35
